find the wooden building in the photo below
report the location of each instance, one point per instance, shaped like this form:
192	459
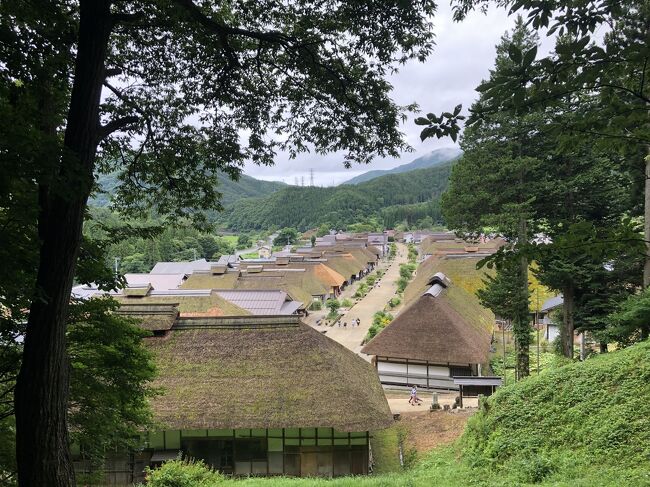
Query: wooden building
435	338
259	395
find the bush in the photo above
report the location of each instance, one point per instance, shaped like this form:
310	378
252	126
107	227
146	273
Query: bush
401	284
316	306
380	320
394	302
333	305
347	303
362	290
179	473
371	280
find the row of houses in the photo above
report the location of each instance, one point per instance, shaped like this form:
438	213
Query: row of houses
245	385
307	275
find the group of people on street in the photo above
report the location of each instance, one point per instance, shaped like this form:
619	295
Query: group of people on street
356	322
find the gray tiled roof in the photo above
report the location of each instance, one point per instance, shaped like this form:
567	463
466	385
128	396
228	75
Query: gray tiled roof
181	267
553	302
272	302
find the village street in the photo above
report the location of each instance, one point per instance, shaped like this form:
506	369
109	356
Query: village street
375	300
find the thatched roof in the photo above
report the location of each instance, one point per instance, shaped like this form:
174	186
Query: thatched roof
207	280
204	302
442	326
461	272
344	264
263	372
293	283
153	317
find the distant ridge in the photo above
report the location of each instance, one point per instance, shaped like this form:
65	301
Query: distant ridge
431	159
231	191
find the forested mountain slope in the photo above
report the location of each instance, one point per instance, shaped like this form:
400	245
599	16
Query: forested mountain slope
431	159
307	207
232	191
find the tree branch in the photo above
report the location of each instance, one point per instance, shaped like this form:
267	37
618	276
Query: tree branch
223	31
117	124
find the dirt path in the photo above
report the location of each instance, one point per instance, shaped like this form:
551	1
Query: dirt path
375	300
398	400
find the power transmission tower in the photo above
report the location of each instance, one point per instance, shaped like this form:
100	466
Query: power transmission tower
311	178
296	181
302	180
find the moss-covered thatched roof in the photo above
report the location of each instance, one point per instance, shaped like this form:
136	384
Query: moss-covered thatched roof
461	272
343	263
211	304
152	317
445	328
207	280
229	373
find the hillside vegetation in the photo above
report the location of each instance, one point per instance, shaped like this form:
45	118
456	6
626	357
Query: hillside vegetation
308	207
583	424
431	159
231	191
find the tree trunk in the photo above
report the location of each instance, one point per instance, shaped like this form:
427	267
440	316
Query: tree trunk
603	347
41	397
566	334
646	225
521	327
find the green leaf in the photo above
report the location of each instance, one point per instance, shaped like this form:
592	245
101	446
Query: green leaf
514	53
422	121
529	57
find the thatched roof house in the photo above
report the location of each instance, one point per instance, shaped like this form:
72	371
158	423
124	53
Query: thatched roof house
254	395
263	372
438	336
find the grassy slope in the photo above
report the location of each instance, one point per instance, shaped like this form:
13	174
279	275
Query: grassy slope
584	424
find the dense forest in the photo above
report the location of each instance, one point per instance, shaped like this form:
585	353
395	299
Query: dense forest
308	207
231	191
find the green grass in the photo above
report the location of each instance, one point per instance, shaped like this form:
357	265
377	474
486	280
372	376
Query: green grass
250	255
231	239
578	425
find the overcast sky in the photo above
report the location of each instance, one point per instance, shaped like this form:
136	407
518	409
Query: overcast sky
463	55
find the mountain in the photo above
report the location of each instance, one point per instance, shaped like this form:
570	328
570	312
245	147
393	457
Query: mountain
409	196
431	159
232	191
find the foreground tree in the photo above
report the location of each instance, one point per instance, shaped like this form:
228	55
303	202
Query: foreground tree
171	91
495	184
602	80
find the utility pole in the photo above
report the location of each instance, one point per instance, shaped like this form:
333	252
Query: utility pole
503	334
537	329
117	265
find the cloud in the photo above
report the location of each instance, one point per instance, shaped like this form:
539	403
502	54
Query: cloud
462	58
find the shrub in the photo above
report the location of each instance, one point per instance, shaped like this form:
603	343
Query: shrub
347	303
394	302
371	280
401	284
316	306
333	305
179	473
